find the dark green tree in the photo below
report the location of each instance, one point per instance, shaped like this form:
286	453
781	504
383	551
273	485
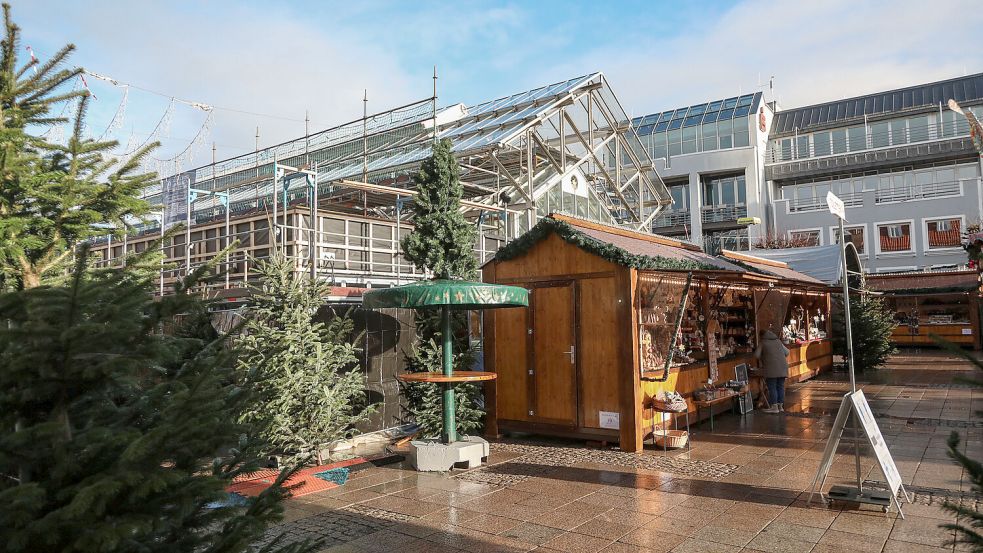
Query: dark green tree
126	437
872	323
52	196
969	521
309	391
442	242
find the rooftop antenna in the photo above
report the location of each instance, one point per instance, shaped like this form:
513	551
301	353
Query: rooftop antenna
435	104
257	139
365	140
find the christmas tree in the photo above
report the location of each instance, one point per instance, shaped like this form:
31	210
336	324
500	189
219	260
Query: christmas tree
309	391
53	196
442	242
125	438
872	323
969	520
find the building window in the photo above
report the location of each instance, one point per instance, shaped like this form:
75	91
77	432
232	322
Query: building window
709	136
895	237
918	128
880	134
944	233
725	191
820	143
839	141
741	133
804	238
854	235
858	138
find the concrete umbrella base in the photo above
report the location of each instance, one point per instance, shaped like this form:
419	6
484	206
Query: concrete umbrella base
434	456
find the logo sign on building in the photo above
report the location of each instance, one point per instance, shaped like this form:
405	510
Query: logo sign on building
836	206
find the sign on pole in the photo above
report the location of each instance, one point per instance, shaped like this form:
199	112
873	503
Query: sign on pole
836	206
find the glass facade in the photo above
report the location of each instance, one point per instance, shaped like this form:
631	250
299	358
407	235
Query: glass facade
701	128
877	134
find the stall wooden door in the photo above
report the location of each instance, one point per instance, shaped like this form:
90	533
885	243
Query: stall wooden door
553	380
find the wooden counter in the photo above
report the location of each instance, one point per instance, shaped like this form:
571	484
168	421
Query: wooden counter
805	361
953	332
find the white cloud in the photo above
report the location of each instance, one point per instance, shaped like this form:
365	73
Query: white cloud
263	59
817	51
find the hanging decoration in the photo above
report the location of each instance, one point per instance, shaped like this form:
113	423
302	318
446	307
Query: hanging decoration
34	60
117	120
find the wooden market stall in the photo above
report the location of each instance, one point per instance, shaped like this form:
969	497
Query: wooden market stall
943	303
588	355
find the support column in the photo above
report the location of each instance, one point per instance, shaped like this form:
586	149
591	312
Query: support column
695	210
450	407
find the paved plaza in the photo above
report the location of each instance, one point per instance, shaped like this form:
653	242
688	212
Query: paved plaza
742	487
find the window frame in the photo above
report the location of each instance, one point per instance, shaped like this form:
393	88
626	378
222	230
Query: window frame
912	240
947	249
834	230
817	230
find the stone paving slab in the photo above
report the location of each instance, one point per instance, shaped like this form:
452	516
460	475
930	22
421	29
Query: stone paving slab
741	488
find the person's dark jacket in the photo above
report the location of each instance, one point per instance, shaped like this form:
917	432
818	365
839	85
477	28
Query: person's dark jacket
771	354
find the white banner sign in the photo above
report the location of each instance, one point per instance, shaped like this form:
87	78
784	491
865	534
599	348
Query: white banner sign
884	459
836	206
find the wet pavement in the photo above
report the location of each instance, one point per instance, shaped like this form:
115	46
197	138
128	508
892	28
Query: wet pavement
742	487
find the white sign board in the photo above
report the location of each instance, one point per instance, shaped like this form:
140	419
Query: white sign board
967	331
836	206
610	420
884	459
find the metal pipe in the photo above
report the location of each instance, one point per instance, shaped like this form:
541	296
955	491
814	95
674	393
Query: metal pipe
849	349
450	407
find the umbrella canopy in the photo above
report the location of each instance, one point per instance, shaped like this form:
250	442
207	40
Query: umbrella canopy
452	294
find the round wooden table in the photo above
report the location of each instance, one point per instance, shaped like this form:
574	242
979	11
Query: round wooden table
456	376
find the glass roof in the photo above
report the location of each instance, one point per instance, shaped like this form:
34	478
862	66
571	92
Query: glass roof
708	112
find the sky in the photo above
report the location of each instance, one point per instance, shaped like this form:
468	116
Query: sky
270	65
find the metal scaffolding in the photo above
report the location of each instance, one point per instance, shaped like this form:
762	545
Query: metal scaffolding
338	201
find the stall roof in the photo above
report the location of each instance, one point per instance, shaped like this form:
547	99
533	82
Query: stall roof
618	245
771	267
820	263
925	282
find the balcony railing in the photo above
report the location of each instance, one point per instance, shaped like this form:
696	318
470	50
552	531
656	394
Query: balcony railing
723	213
671	219
854	199
909	192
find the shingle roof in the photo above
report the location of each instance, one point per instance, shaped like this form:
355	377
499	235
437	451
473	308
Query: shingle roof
642	245
967	89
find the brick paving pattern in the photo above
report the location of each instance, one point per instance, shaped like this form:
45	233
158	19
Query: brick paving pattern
741	488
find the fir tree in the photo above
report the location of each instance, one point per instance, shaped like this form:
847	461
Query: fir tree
872	323
442	242
126	438
309	391
968	519
52	196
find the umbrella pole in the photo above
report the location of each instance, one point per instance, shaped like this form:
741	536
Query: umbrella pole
450	406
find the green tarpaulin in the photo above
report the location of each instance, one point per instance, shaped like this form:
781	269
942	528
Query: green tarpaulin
453	294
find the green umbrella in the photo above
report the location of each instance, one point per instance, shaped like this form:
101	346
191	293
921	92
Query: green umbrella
447	294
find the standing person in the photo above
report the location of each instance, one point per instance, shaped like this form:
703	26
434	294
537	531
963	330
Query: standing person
771	355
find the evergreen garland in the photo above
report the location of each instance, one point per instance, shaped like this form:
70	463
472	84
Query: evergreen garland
442	242
521	245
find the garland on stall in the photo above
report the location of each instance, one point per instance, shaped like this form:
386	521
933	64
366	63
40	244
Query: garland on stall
606	251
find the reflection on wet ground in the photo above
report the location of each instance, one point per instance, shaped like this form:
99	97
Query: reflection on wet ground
741	488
